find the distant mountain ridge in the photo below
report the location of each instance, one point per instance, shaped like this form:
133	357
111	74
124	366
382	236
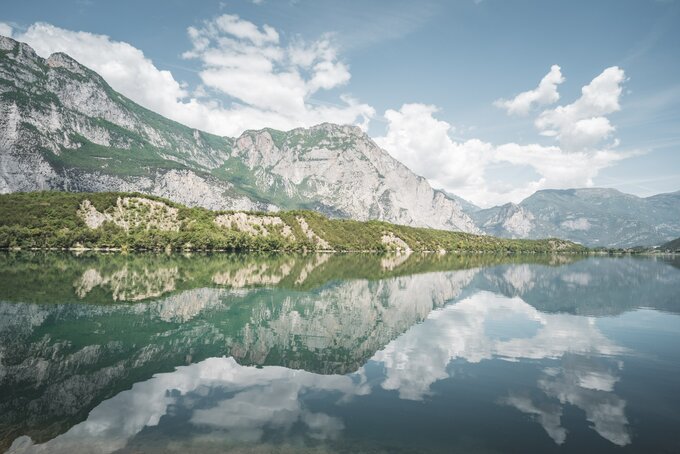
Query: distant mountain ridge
591	216
63	127
671	246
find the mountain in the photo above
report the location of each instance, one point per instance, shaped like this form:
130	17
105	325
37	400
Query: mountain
594	217
672	246
63	127
467	206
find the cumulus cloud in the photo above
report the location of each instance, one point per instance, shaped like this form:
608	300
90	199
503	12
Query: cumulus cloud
270	83
582	124
123	66
424	143
5	29
545	94
251	65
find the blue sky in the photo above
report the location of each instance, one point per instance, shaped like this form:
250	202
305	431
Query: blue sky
426	80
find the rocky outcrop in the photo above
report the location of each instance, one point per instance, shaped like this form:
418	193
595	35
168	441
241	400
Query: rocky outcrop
509	220
394	243
320	243
253	224
132	212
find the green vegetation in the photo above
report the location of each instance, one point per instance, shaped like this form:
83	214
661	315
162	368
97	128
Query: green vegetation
52	220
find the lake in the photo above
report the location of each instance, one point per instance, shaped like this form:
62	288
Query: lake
144	353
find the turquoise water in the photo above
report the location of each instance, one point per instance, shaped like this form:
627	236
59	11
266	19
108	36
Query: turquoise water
338	353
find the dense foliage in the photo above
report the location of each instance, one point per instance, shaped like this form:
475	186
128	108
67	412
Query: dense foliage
51	220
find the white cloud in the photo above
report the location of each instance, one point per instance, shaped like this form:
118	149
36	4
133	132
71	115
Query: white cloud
5	29
271	83
123	66
546	93
241	29
583	124
424	143
250	65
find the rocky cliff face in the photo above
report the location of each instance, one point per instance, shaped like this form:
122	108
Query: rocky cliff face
340	171
62	127
594	217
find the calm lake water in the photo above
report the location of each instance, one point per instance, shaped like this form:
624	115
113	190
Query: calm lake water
338	353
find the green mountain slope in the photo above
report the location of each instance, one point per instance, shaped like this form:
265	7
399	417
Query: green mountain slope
135	221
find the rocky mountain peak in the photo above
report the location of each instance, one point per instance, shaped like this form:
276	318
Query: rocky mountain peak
62	60
340	171
20	52
7	43
591	216
335	129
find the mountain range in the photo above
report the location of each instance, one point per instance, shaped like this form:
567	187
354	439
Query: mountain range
592	216
62	127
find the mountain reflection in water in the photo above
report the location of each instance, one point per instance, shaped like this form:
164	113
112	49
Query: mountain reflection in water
349	353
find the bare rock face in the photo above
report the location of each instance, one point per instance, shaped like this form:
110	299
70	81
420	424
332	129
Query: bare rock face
253	224
340	171
132	212
62	127
509	220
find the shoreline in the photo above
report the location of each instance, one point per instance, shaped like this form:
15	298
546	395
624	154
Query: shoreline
287	251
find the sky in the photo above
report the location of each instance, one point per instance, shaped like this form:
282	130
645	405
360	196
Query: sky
490	100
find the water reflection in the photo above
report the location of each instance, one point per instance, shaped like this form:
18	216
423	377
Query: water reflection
584	382
241	404
228	401
459	331
286	352
105	278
